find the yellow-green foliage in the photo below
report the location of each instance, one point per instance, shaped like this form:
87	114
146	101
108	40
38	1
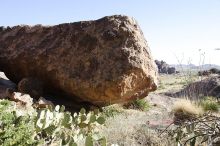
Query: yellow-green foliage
111	111
62	128
14	129
209	104
140	104
49	126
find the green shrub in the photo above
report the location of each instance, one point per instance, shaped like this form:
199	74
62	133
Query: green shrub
49	126
214	70
209	104
110	111
14	129
140	104
203	130
60	127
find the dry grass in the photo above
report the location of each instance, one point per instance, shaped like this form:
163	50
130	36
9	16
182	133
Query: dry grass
184	109
172	83
135	127
186	106
130	129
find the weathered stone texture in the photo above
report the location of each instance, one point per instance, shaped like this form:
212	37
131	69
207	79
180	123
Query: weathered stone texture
102	61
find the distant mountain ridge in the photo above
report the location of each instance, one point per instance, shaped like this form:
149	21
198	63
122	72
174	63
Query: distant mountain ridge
193	66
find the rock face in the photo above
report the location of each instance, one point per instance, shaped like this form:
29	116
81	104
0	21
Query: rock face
101	62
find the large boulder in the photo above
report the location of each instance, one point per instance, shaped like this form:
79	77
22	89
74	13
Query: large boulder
101	62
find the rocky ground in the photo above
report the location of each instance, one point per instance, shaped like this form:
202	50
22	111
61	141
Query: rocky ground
141	128
127	127
136	127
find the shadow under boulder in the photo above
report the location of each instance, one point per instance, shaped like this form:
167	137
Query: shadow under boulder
21	93
5	83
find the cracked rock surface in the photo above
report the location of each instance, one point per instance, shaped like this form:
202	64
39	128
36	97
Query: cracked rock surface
101	62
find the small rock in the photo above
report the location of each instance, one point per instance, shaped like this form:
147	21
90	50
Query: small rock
25	99
42	103
31	86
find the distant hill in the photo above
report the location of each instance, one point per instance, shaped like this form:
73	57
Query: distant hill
195	67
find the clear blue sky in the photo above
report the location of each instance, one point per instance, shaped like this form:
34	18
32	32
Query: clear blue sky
173	28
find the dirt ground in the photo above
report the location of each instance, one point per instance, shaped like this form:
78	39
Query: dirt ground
142	128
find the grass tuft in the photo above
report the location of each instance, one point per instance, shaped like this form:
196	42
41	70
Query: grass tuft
184	109
140	104
209	104
111	111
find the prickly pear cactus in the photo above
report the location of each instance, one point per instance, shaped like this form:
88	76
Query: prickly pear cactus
54	125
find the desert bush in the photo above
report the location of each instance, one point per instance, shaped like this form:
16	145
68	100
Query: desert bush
201	130
209	72
184	109
209	104
148	137
14	129
111	111
214	70
140	104
49	126
204	73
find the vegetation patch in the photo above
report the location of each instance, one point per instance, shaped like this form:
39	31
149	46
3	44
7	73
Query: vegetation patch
140	104
49	126
184	109
209	104
203	130
111	111
14	129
